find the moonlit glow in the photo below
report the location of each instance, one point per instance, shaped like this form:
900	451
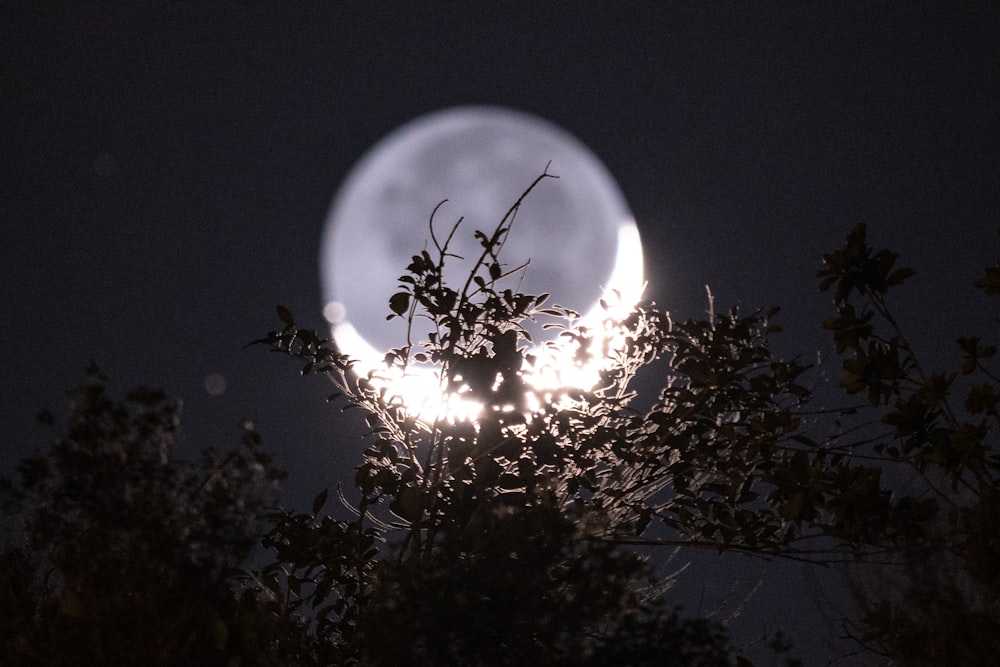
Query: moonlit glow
420	387
577	232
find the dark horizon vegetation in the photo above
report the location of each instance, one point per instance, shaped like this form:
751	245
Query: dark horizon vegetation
516	538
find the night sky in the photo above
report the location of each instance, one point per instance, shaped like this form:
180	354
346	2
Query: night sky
166	173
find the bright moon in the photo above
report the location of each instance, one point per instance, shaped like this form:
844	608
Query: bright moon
576	231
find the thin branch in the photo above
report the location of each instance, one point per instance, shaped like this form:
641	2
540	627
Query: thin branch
801	555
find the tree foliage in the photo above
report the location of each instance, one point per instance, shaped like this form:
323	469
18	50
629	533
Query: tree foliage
491	518
125	551
521	536
478	542
937	437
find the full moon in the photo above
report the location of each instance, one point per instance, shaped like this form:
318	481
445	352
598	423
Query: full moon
576	232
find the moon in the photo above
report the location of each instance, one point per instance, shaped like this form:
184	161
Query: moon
576	231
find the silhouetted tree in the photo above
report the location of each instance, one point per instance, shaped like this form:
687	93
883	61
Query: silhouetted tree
506	539
125	551
939	603
513	537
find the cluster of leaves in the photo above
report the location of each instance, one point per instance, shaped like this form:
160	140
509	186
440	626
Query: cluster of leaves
124	552
937	435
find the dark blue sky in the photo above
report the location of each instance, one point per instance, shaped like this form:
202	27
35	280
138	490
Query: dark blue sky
166	171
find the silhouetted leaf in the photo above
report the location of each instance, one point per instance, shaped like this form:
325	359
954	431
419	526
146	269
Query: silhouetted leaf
286	316
319	501
399	303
